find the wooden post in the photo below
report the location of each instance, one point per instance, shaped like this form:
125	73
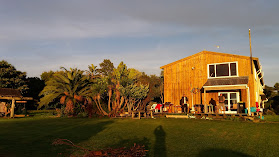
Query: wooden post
204	97
12	108
248	101
133	114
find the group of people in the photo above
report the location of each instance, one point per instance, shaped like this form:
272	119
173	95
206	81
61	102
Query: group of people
216	108
221	106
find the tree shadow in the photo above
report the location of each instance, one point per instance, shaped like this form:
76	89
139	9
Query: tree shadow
221	153
81	133
160	142
35	137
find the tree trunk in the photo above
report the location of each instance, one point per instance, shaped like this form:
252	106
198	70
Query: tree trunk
98	98
138	105
117	93
98	106
121	102
109	94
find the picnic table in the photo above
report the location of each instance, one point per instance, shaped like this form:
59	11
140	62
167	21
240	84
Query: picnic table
138	113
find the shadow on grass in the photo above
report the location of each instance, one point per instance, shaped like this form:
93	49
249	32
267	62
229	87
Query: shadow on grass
80	133
221	153
160	142
35	137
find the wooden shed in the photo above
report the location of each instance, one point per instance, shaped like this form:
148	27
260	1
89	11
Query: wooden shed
13	96
207	74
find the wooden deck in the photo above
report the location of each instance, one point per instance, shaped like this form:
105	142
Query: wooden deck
212	116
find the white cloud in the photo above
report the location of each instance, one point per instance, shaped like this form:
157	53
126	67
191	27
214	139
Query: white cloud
38	35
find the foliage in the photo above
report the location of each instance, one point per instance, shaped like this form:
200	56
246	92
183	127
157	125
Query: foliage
121	75
272	93
271	118
42	113
269	112
118	87
82	114
70	87
12	78
133	94
136	150
269	91
155	86
276	87
134	74
46	76
36	85
97	88
106	68
92	71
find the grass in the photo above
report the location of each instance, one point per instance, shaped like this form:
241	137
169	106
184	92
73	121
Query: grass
162	137
271	118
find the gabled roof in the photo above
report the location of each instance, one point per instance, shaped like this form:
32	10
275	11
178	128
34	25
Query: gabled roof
9	92
208	52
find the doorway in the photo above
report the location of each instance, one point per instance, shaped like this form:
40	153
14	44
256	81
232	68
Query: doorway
230	99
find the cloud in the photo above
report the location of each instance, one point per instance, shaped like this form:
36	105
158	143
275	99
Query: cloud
66	19
38	35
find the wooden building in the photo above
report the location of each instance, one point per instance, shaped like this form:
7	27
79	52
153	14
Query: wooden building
206	75
11	96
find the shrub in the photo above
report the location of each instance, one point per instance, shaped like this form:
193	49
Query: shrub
82	115
269	112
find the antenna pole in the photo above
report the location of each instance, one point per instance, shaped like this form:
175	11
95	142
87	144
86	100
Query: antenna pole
251	60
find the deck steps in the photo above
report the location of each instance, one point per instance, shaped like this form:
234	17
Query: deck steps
177	116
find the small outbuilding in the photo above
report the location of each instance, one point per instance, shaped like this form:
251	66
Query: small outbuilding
11	96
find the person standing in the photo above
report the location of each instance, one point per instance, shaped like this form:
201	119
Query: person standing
184	104
213	103
222	103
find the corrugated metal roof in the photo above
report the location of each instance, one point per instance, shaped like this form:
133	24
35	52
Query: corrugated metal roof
227	81
9	92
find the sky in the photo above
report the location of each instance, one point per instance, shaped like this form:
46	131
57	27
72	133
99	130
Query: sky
43	35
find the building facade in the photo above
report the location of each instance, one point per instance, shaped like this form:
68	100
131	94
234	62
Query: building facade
206	75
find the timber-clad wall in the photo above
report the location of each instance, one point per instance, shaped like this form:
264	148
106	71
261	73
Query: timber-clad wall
181	76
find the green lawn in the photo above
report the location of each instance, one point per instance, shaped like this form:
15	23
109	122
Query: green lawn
163	137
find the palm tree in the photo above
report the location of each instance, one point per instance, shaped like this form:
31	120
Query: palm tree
70	86
98	87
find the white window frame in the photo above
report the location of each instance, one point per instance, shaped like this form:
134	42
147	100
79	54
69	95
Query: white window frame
208	73
229	98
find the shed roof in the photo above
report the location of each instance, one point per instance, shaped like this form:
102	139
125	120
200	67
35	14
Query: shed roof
227	81
9	92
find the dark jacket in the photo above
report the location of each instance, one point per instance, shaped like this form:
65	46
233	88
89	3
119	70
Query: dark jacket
182	100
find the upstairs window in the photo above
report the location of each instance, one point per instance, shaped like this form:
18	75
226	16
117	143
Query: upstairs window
222	70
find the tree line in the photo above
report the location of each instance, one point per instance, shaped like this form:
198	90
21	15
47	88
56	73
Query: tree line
272	93
103	90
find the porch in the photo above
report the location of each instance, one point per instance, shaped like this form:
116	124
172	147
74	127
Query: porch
230	89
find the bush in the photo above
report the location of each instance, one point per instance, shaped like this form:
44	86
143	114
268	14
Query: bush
42	112
269	112
82	115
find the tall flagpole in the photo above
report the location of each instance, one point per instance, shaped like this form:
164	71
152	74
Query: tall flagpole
251	60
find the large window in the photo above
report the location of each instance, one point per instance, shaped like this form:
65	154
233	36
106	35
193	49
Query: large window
222	69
